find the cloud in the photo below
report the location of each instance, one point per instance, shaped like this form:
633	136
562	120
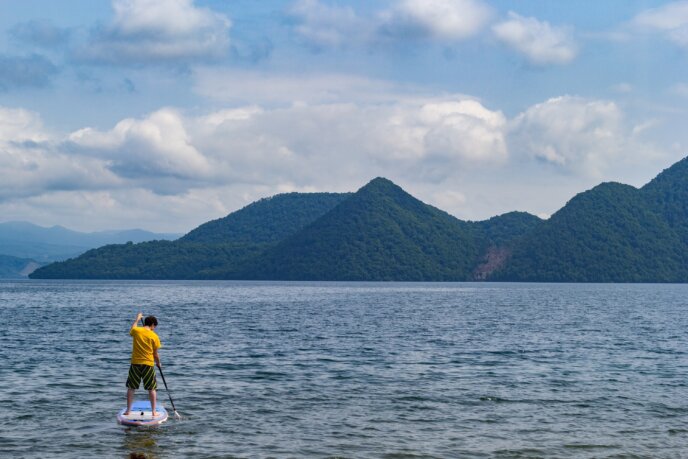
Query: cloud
330	116
538	41
447	20
159	31
124	208
30	165
156	150
312	133
20	126
40	33
671	20
326	26
322	25
25	72
623	88
464	128
252	51
679	89
251	87
571	133
324	144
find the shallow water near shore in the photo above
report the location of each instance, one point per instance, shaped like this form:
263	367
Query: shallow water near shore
356	370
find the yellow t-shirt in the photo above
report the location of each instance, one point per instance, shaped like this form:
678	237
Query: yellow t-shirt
145	342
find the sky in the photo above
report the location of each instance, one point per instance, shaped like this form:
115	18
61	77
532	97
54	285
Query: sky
164	114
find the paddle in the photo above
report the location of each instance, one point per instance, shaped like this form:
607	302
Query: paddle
176	415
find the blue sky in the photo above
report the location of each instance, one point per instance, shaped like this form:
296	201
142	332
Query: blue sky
163	114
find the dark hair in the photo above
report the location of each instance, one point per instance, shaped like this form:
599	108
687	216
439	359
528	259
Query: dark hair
150	320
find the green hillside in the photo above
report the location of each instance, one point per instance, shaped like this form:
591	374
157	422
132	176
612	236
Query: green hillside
504	230
219	248
608	234
611	233
379	233
267	220
502	234
668	195
153	260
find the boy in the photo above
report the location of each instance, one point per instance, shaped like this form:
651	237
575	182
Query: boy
144	357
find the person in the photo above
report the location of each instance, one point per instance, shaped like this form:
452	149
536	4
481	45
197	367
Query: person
144	357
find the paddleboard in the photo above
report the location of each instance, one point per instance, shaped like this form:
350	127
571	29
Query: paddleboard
141	415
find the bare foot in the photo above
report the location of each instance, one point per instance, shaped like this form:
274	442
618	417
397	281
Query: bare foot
126	413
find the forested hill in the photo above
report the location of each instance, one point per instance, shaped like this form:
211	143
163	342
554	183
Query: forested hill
611	233
383	233
667	194
608	234
379	233
267	220
216	249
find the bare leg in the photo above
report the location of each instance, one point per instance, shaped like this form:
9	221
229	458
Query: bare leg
153	396
130	400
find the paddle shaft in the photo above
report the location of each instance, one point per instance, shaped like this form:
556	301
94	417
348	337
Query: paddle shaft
165	382
166	389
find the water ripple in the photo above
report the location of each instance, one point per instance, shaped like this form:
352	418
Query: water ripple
351	370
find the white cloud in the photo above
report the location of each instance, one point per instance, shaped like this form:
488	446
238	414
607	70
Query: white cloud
449	199
328	26
623	88
573	133
670	19
680	89
249	87
19	125
123	208
324	143
30	165
438	19
323	25
449	149
150	31
464	129
538	41
151	149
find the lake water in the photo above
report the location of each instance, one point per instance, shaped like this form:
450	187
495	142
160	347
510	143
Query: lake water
356	370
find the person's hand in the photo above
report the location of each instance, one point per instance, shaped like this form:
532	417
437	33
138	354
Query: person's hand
139	316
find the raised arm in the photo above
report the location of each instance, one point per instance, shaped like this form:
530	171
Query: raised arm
136	322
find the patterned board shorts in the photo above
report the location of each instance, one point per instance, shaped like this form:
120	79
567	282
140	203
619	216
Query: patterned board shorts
142	372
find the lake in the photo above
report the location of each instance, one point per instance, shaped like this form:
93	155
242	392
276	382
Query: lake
355	370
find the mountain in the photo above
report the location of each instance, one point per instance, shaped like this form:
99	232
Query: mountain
610	233
668	195
153	260
217	249
16	268
383	233
267	220
379	233
26	240
502	233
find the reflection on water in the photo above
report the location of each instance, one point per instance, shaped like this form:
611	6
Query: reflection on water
142	440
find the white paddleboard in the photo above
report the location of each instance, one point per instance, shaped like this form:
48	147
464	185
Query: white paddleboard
141	414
